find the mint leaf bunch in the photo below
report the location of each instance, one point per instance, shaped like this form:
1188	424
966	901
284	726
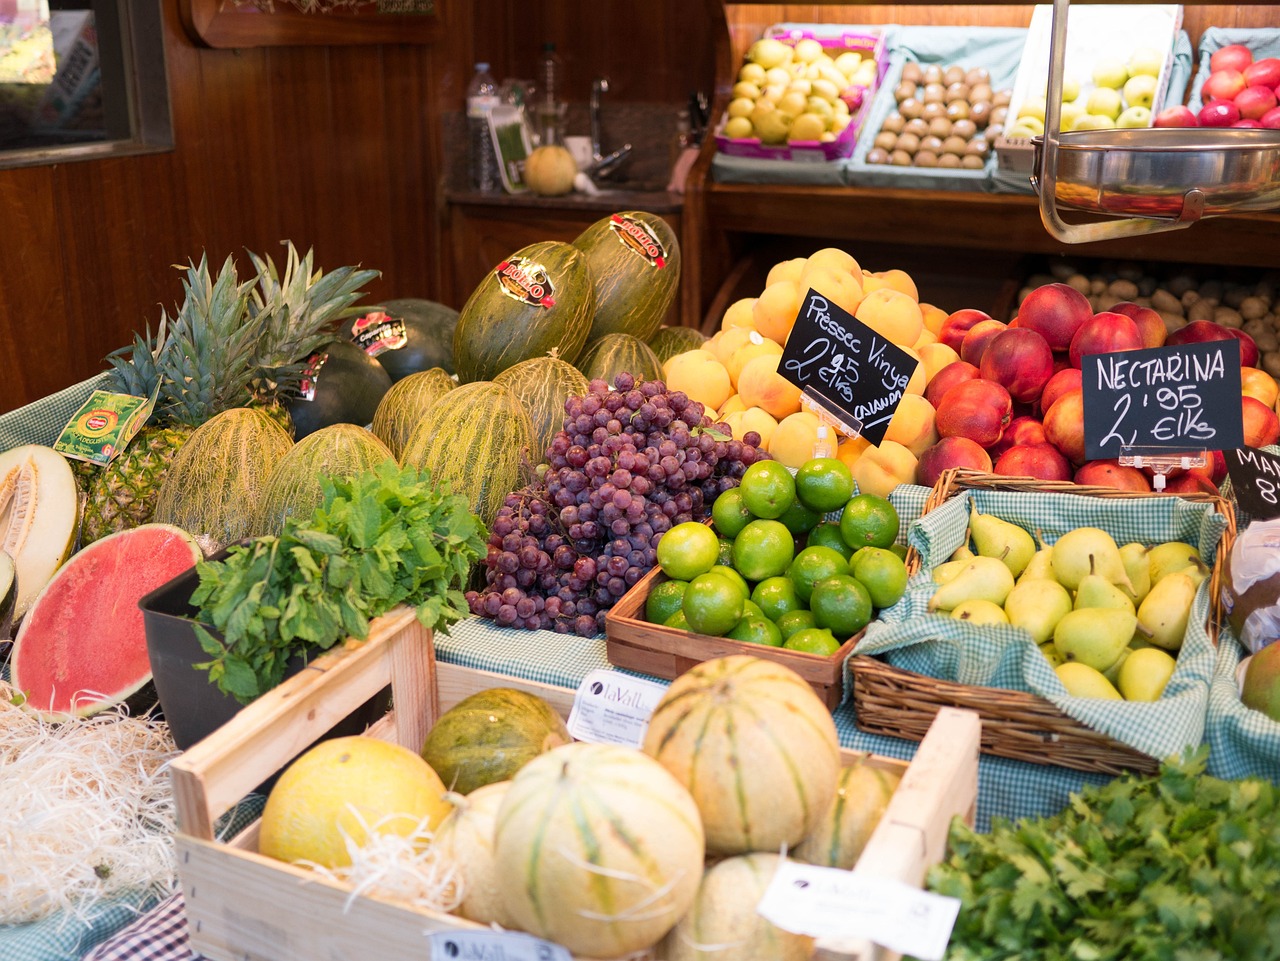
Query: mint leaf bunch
382	538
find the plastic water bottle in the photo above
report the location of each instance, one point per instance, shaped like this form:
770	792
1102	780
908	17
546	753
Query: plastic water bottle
482	96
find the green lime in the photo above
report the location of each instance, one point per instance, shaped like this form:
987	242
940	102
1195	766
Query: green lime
814	564
763	549
824	484
813	640
750	607
869	521
794	621
678	621
757	630
734	576
798	519
827	534
899	549
729	514
687	550
725	556
841	604
882	573
776	596
768	488
712	604
663	601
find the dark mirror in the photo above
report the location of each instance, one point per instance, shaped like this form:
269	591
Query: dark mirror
81	79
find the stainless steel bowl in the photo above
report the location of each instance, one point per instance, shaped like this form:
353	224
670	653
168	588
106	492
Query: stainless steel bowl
1149	172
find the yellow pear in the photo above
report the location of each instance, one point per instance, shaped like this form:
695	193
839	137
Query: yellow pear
978	611
1041	565
1051	654
1095	636
1172	556
1081	680
1085	551
947	570
994	537
982	578
1163	614
1145	673
1036	606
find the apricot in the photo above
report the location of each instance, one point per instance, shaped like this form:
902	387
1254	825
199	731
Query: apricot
933	318
920	378
702	378
760	385
851	449
794	438
785	270
926	337
752	419
840	288
1259	384
883	467
774	313
913	424
725	342
731	406
836	259
756	346
739	314
895	279
935	357
891	314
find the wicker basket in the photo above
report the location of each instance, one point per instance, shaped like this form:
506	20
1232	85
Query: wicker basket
1015	724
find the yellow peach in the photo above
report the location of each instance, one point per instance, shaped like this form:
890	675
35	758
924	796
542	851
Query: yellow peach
891	314
919	379
926	337
725	342
793	440
756	346
913	424
785	270
1258	383
760	385
690	358
895	279
731	406
739	314
842	289
883	467
752	419
933	317
851	449
774	313
935	357
836	259
702	379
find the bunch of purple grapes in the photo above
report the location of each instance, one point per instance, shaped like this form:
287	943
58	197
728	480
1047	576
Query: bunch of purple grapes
629	465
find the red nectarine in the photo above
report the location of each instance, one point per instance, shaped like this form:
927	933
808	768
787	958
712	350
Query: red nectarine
1041	461
1104	333
948	453
977	409
1055	311
1020	360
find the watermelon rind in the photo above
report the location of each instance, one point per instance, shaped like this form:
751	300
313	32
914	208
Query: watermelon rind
428	337
82	647
346	389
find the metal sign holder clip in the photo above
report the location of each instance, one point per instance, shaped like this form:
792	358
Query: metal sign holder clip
828	417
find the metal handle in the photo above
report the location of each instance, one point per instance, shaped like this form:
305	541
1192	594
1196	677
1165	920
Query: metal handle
1045	179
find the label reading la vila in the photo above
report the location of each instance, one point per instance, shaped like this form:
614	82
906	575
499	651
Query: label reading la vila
493	946
613	708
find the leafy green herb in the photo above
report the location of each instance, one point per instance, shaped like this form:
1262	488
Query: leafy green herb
383	538
1177	867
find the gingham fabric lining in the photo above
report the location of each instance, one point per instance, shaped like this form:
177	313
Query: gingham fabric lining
42	421
910	638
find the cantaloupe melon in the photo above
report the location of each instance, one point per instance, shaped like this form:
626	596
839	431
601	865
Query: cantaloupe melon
755	746
598	848
464	843
862	794
39	514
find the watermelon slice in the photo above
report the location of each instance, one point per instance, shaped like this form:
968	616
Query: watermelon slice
82	646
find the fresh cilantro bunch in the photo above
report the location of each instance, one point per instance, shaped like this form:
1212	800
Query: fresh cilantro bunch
382	538
1177	867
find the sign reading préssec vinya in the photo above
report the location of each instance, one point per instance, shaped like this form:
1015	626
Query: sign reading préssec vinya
1183	398
847	365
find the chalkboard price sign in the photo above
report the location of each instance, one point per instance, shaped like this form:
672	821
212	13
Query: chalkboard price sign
847	365
1163	400
1255	481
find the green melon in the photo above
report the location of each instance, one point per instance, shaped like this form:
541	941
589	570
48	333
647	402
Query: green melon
542	385
614	353
669	341
634	260
219	476
406	336
404	404
294	487
475	439
538	300
490	735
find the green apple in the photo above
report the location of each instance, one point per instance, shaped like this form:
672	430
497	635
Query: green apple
740	107
1070	88
1033	106
1110	72
807	126
769	53
1070	115
1094	121
1140	90
1146	61
808	50
1134	117
1104	102
752	73
746	90
737	128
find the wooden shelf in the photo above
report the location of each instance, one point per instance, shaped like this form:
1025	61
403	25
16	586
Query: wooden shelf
226	24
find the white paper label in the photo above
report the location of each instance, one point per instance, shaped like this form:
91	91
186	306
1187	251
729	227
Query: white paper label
831	903
493	946
613	708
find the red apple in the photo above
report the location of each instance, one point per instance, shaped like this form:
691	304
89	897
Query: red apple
1178	116
977	409
1064	380
1064	425
1263	73
1271	119
1055	312
1204	331
1150	324
1109	473
957	325
1189	484
1022	430
1020	360
1041	461
1218	113
1246	125
1261	425
1104	333
1223	85
1254	102
977	338
948	453
954	373
1235	56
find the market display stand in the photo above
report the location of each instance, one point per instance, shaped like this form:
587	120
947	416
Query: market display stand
722	221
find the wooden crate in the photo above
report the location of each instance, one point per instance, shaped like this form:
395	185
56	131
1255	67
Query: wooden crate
633	643
242	906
